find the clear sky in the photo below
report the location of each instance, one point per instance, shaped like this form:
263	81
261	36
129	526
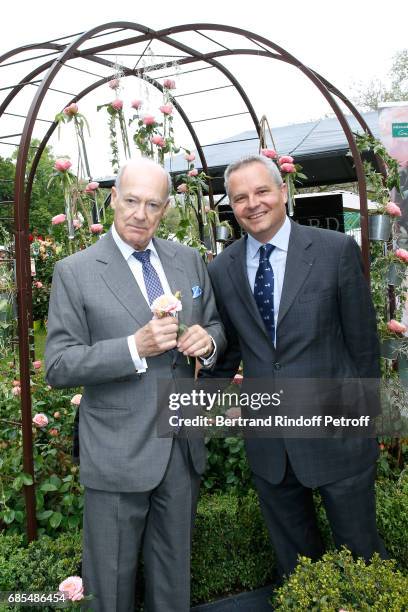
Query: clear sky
346	41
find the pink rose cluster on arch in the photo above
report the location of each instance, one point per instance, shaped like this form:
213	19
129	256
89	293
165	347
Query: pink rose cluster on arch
285	162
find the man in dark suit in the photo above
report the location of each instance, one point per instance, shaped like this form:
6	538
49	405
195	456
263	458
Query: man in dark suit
295	304
101	334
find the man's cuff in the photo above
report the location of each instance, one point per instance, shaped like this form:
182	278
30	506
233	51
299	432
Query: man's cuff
140	362
211	359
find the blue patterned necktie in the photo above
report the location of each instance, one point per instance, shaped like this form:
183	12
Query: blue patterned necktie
153	285
263	289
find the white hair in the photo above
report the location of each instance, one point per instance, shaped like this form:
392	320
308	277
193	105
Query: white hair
252	159
143	161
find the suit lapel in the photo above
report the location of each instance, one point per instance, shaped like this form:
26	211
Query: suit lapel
237	270
177	276
299	262
120	280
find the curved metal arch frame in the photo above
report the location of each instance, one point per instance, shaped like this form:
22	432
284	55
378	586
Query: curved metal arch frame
23	189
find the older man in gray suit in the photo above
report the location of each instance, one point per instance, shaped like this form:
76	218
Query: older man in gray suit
295	304
138	487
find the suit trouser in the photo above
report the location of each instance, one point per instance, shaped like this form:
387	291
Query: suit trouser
117	524
290	516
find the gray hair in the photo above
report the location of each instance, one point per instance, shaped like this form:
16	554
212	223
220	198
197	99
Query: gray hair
143	161
252	159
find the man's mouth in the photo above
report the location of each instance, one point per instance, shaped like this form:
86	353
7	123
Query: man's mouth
257	215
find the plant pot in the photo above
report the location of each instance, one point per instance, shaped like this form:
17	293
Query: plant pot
403	370
396	274
379	227
389	348
222	233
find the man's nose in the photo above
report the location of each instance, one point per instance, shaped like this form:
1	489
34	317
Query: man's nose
140	211
253	201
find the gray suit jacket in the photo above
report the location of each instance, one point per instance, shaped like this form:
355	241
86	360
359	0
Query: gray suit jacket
326	329
95	305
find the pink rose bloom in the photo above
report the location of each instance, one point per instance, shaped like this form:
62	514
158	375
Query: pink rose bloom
37	364
16	391
393	209
158	140
72	588
149	120
57	415
40	420
96	228
16	383
136	104
182	188
238	378
117	104
53	432
71	109
285	159
58	219
169	84
189	157
402	254
271	153
288	168
165	305
76	223
193	172
62	165
114	83
38	284
76	399
92	186
166	109
396	327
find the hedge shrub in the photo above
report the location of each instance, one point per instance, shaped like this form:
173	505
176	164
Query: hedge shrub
336	582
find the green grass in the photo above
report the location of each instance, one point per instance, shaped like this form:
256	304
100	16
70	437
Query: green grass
39	343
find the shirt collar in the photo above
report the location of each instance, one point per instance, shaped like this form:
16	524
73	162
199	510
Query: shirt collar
280	240
126	249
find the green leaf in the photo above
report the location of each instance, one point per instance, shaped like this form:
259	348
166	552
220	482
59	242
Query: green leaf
55	519
18	482
27	479
48	486
55	480
42	516
73	521
19	516
65	487
8	516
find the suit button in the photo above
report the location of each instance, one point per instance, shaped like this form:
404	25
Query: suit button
277	366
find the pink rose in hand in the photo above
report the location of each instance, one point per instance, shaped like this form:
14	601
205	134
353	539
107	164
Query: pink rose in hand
271	153
136	104
169	84
71	109
396	327
62	165
149	120
193	172
61	218
166	109
158	140
40	420
72	588
96	228
117	104
76	399
402	254
114	83
182	188
91	187
285	159
393	209
288	168
189	157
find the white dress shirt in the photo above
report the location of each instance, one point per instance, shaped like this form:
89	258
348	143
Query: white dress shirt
137	270
277	260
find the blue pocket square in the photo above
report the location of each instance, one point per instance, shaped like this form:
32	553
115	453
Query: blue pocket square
197	291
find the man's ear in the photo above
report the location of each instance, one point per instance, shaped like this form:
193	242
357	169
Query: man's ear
114	197
284	189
